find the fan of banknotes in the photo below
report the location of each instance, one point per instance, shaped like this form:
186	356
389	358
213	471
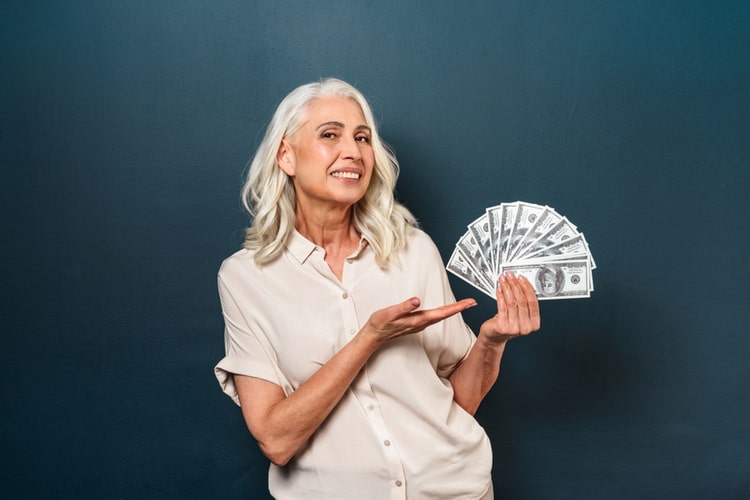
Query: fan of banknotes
530	240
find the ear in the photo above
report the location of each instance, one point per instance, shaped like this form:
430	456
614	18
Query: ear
285	158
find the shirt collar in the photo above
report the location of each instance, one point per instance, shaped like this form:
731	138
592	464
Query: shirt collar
301	248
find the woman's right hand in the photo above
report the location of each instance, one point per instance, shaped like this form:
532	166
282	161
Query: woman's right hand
404	318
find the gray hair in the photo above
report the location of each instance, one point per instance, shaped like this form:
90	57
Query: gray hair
269	197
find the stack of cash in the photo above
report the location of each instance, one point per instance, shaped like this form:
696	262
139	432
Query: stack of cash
532	241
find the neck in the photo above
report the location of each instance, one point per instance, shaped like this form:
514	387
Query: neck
329	229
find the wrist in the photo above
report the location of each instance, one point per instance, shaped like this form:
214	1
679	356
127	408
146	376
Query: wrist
367	339
492	339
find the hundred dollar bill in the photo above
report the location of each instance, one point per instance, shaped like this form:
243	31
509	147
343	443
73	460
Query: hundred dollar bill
459	265
546	221
562	230
480	229
494	215
472	251
555	280
525	217
568	248
505	224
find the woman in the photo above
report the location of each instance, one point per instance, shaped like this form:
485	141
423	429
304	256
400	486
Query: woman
344	344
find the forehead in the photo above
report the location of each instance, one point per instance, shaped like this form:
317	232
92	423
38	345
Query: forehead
334	108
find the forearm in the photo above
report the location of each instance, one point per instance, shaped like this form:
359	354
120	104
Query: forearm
283	424
286	424
476	375
517	315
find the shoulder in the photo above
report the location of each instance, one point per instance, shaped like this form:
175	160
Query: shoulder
417	238
239	263
420	246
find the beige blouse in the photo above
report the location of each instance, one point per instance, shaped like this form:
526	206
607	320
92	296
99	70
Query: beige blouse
397	433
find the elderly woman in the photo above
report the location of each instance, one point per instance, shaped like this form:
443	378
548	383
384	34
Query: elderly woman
345	347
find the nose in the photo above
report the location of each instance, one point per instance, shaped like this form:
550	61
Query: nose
350	149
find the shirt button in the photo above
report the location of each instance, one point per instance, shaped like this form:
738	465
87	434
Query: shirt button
387	443
399	483
344	295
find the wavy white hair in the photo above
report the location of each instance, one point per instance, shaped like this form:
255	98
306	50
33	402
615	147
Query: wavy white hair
268	193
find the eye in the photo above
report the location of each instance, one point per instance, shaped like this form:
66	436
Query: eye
362	138
328	135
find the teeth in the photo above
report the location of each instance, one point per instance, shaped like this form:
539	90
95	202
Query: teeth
346	175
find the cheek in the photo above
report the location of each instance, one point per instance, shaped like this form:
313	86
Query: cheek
368	157
313	161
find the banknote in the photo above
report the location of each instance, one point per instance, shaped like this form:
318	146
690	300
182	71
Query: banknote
473	252
494	215
545	223
530	239
459	265
570	248
480	229
507	215
525	217
568	279
562	231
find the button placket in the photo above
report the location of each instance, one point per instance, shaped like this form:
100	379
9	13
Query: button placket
367	398
348	311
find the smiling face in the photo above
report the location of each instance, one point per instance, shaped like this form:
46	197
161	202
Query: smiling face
329	158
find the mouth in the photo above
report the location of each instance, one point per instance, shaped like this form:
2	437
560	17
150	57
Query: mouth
346	175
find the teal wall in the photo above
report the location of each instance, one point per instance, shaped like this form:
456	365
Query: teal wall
125	130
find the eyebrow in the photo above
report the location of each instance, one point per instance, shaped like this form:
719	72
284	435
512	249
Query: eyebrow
341	125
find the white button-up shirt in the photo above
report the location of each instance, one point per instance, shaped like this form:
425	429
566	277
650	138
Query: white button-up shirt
397	432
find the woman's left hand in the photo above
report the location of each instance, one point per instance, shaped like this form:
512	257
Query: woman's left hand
517	310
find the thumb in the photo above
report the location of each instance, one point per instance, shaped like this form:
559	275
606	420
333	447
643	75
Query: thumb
410	305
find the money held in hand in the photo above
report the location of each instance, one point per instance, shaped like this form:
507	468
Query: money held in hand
530	240
555	280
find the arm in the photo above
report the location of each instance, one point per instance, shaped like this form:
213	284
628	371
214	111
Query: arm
517	314
282	425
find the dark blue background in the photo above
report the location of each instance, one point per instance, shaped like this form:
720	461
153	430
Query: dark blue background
126	127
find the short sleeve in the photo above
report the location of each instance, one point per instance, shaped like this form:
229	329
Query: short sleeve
247	350
448	342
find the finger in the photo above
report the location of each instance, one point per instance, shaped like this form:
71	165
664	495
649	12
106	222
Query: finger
502	306
396	311
507	280
533	303
464	304
430	316
407	306
524	322
448	310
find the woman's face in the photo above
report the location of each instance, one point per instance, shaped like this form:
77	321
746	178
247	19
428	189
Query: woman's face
330	157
